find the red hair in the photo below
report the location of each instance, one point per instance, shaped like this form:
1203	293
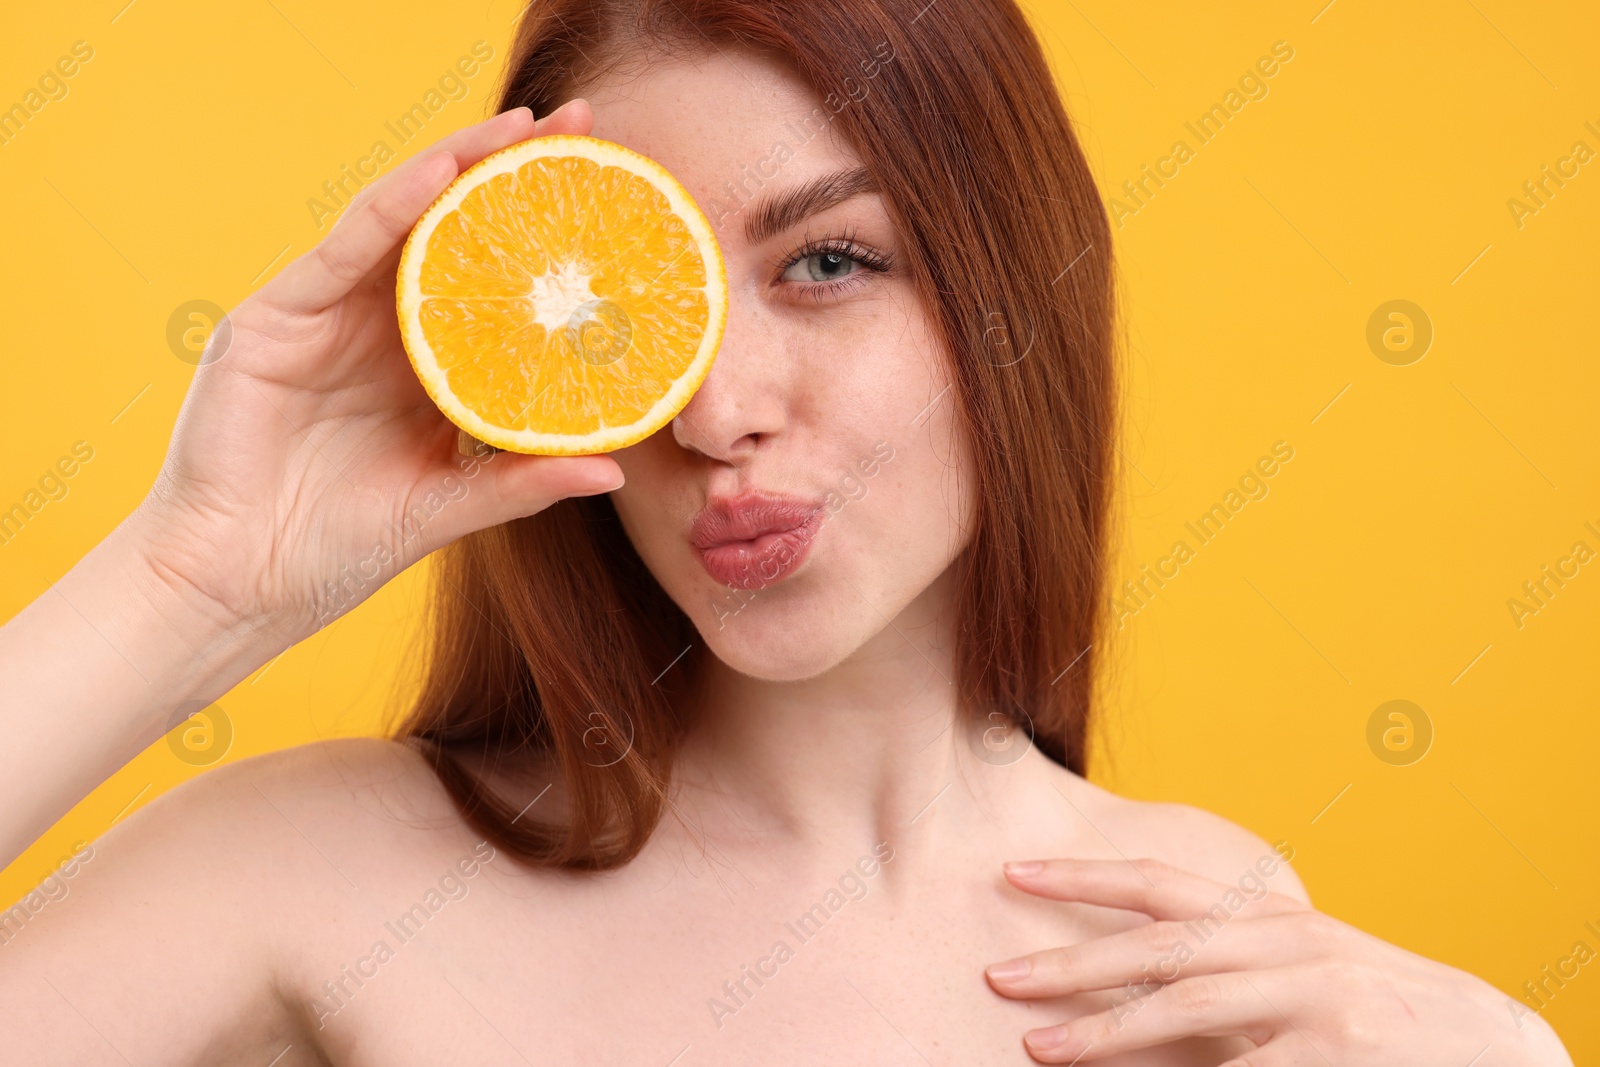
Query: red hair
550	634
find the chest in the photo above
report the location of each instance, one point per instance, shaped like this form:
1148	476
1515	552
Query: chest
719	972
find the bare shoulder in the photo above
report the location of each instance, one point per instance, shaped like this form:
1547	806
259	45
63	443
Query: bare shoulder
1182	836
223	891
337	792
297	832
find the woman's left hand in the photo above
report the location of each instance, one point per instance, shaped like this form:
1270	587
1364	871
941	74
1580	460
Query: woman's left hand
1222	960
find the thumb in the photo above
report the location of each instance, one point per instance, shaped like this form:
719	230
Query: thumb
502	486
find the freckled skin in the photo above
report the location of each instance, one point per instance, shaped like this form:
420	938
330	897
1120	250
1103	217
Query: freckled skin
802	391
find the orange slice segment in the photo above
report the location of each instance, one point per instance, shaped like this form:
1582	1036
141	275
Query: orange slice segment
564	296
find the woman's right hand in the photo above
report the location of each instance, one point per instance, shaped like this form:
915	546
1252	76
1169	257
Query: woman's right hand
308	465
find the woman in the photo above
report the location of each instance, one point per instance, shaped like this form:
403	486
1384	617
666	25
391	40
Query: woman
727	736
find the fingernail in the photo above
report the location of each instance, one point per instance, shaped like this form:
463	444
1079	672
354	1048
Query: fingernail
1010	970
1049	1038
1025	869
605	486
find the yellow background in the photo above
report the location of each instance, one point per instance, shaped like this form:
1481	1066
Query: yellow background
1379	566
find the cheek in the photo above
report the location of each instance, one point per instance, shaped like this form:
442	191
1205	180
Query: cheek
644	502
914	515
905	477
874	371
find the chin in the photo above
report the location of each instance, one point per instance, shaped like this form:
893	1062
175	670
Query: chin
785	633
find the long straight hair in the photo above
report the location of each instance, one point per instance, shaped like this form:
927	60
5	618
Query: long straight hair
550	637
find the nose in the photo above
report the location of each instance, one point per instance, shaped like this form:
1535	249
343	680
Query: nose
741	406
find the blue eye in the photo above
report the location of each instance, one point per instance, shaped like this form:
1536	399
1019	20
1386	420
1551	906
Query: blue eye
821	267
828	267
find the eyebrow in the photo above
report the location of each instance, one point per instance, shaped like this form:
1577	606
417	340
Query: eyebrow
780	211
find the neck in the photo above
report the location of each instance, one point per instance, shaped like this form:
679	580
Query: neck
875	749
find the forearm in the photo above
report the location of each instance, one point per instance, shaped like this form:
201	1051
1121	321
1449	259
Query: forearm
95	669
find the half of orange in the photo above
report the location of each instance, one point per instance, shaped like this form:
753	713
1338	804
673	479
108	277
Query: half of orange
563	296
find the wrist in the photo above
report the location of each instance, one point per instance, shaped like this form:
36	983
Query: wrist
187	631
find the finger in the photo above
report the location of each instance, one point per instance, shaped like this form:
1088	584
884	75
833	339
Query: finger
1221	1005
1162	951
476	142
1150	886
1287	1051
500	486
375	224
383	213
473	144
573	117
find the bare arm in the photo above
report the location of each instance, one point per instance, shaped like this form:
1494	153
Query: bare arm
92	672
299	449
159	943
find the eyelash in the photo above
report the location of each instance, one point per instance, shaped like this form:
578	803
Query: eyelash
842	245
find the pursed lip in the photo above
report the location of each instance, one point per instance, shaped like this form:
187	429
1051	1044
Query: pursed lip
754	539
